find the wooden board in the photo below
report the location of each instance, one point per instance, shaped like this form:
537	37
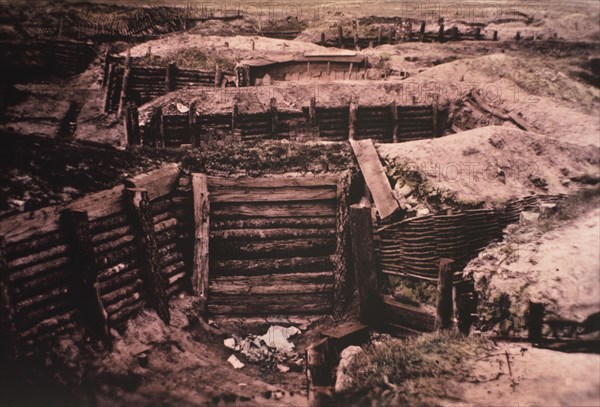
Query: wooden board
268	210
201	217
295	283
158	183
276	181
269	266
407	316
374	174
255	305
269	194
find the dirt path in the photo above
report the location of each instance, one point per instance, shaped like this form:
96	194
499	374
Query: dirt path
535	377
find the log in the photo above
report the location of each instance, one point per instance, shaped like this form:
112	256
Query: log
278	248
33	271
83	258
138	205
272	266
394	109
100	204
8	339
278	304
407	316
125	84
158	183
320	364
265	234
283	194
312	111
170	77
200	270
24	226
123	279
109	246
365	267
224	211
352	109
374	174
113	234
274	181
39	257
296	283
444	310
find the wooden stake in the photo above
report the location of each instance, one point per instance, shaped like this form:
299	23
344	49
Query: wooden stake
322	38
365	266
343	283
201	218
83	257
340	36
435	116
8	339
444	305
138	207
108	87
441	33
170	77
125	84
352	108
535	321
106	65
234	116
274	117
394	109
218	76
192	125
495	36
312	111
161	128
379	35
132	124
319	364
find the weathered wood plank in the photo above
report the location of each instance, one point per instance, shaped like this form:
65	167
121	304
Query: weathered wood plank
138	205
270	266
275	181
158	183
26	225
407	315
256	305
278	210
267	223
374	174
278	233
296	283
309	247
100	204
256	194
201	237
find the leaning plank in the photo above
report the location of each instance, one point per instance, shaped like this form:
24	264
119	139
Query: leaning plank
23	226
158	183
295	283
202	222
375	177
138	205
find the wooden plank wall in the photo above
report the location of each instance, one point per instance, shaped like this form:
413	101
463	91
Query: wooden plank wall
414	122
42	278
271	245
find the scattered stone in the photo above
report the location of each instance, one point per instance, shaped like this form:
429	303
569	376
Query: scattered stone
283	368
235	362
423	212
343	381
527	218
230	343
182	108
547	209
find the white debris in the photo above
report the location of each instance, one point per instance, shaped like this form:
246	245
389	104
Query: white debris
527	218
230	343
235	362
283	368
277	337
423	212
182	108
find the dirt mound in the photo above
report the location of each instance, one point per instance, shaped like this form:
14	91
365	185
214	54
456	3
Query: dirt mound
556	265
493	164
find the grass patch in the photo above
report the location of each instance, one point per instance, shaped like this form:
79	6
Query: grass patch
189	58
414	371
413	292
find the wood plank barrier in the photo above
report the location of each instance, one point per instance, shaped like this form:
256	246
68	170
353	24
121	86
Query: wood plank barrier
273	245
79	265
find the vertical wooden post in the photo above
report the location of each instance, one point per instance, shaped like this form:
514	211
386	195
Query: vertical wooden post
355	39
465	307
350	70
319	364
444	304
149	51
395	122
518	36
234	116
477	33
441	33
125	84
535	321
108	88
379	35
138	206
161	128
365	266
201	218
422	29
106	66
495	36
132	124
312	111
393	35
8	339
274	116
77	226
192	125
322	38
308	70
218	76
435	115
344	278
340	36
352	119
170	77
328	69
